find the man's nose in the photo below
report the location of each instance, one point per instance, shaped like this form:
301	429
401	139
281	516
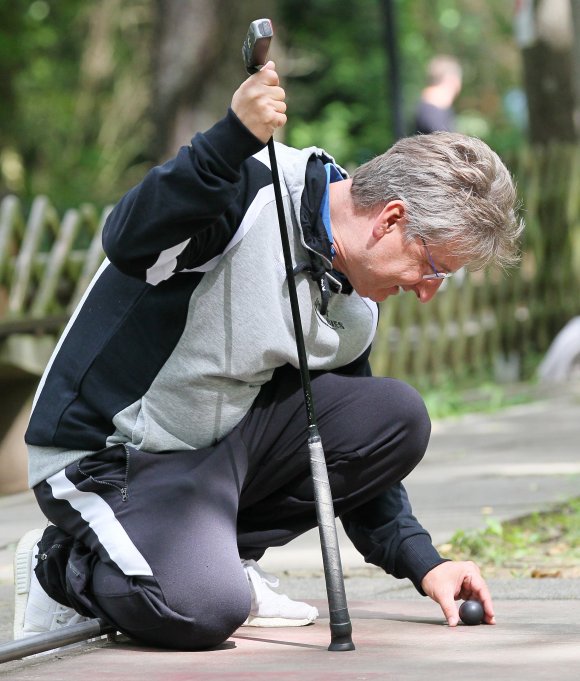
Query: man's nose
427	289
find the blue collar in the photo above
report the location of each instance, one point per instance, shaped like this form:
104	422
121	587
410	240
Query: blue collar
332	175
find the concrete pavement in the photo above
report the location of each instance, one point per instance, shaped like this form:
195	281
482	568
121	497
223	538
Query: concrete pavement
480	466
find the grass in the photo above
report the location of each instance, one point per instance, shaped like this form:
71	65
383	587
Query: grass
448	401
543	544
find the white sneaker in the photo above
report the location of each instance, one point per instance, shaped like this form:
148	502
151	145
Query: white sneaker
270	609
35	612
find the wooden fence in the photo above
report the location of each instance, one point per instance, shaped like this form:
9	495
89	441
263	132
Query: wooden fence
479	324
45	263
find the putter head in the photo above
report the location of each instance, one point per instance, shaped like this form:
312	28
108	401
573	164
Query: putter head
256	45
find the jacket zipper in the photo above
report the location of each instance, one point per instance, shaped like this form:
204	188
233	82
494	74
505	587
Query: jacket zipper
44	554
125	489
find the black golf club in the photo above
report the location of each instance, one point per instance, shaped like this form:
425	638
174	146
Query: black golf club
254	51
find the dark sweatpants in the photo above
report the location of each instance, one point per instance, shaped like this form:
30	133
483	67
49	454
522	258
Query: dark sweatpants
152	542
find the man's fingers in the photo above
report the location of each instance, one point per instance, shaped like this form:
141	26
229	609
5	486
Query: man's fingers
259	102
275	93
475	588
452	580
269	66
484	598
488	617
268	74
450	610
280	121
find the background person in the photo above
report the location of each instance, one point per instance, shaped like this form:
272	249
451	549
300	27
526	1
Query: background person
434	111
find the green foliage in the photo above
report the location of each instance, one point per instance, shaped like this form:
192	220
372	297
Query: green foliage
453	398
338	79
75	120
534	535
64	131
40	66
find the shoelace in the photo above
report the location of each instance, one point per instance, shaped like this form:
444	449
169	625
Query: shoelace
255	573
64	616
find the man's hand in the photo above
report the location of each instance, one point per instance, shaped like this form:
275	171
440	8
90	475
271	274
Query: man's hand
457	580
259	103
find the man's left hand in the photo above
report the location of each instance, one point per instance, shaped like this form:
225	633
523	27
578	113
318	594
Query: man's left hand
458	580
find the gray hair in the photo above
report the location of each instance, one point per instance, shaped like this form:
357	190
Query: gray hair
456	191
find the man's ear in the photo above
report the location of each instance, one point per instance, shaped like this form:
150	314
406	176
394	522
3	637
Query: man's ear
387	220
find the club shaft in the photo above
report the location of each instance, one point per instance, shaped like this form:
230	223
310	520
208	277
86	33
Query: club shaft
295	308
340	625
40	643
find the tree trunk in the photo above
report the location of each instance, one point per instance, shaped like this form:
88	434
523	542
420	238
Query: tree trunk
548	59
197	66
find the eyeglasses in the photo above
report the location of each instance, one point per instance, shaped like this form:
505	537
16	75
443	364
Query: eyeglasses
436	274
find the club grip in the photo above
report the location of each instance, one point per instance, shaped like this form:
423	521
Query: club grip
340	624
256	45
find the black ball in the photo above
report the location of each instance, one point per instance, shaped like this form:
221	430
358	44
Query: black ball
471	612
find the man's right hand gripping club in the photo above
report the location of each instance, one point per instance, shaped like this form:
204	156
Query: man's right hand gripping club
259	103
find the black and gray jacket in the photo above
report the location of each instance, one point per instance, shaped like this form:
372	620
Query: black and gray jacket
188	317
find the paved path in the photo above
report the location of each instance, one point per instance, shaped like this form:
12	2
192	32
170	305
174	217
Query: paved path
499	466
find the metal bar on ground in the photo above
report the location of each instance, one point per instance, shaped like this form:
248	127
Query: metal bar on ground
41	643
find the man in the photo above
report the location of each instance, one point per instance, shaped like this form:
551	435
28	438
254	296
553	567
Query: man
434	111
168	442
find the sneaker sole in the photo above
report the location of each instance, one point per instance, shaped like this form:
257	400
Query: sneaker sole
270	622
23	566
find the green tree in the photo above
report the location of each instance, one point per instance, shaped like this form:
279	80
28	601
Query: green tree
94	92
337	69
70	96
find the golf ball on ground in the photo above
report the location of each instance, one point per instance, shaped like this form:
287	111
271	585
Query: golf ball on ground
471	612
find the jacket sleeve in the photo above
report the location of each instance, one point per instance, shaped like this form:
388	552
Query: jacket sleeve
384	530
181	214
387	534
